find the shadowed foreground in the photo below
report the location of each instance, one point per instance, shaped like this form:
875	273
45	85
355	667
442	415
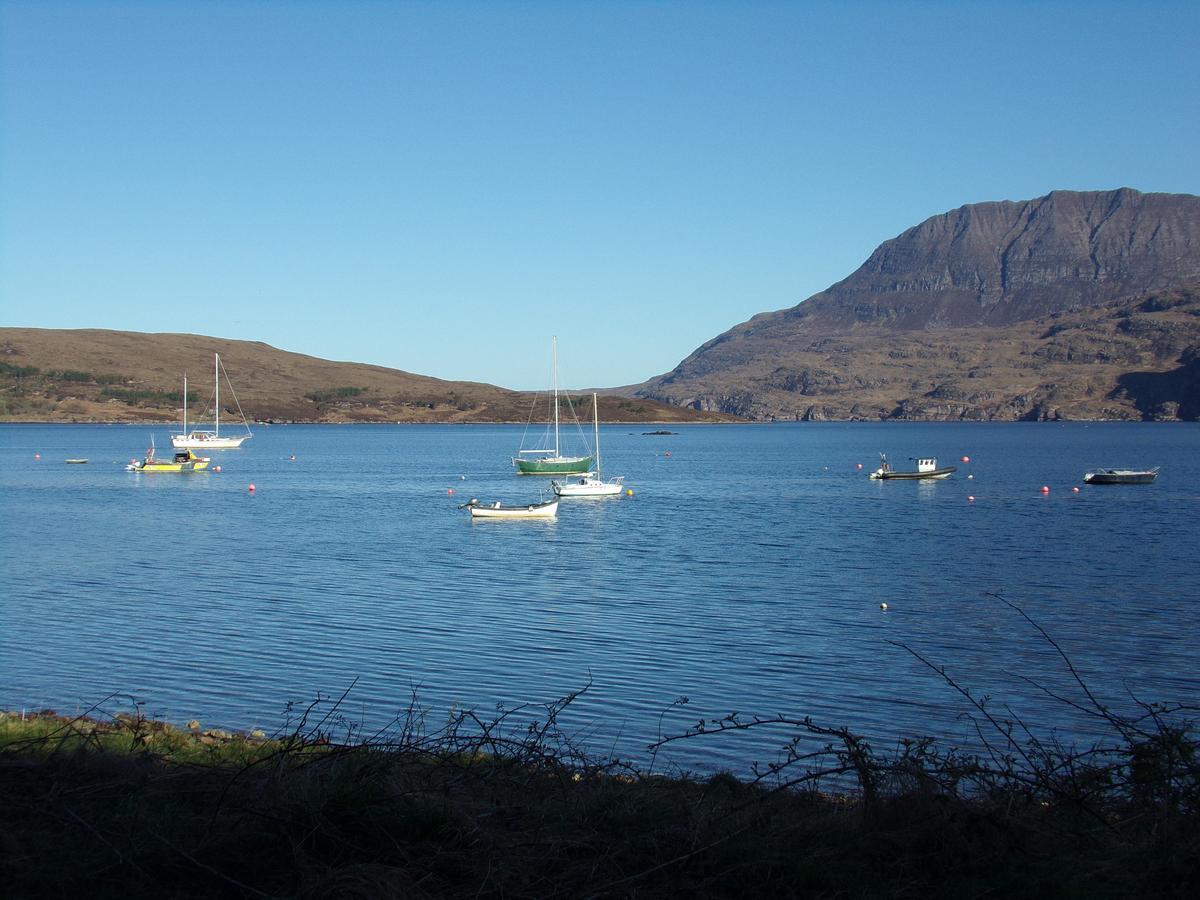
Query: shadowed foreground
135	808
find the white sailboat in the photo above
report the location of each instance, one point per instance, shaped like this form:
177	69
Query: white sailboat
210	440
590	484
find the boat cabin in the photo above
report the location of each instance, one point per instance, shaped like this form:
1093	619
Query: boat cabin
926	465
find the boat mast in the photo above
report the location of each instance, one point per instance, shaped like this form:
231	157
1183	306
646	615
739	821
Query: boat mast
185	404
554	339
217	402
596	422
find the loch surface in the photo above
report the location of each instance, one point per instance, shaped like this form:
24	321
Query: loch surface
745	573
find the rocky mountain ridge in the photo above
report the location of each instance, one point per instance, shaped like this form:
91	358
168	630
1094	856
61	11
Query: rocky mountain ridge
959	309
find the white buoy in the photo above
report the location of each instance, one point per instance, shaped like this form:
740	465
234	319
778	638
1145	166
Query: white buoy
883	606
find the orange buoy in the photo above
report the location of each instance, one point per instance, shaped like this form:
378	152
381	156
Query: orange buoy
1045	490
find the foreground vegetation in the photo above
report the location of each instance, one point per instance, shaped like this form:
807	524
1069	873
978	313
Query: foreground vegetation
509	806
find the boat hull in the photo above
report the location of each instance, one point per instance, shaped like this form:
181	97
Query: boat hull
554	465
194	442
913	476
587	487
547	510
198	465
1119	476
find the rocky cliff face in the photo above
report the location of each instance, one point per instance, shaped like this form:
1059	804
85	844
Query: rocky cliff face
924	300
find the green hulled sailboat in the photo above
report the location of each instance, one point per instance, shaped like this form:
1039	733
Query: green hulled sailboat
549	460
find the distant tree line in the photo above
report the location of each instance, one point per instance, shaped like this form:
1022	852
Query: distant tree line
60	374
342	393
136	396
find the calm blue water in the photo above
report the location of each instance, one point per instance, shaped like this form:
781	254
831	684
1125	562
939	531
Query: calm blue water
745	573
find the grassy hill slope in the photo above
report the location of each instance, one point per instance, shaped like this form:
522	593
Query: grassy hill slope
87	375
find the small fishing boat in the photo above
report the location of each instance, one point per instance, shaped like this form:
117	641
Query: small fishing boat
591	484
547	509
1121	476
183	461
927	467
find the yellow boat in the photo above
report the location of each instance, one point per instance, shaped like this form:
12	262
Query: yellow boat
183	461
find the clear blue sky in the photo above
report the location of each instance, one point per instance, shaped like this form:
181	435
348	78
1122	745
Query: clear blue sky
439	187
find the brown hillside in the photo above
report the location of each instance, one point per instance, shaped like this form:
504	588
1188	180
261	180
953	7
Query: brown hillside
98	375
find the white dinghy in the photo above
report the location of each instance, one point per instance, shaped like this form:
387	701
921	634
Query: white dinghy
546	509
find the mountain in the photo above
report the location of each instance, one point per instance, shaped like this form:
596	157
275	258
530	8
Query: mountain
87	375
1065	306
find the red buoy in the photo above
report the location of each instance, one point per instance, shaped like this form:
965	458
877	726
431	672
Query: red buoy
449	490
1045	490
252	489
966	459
